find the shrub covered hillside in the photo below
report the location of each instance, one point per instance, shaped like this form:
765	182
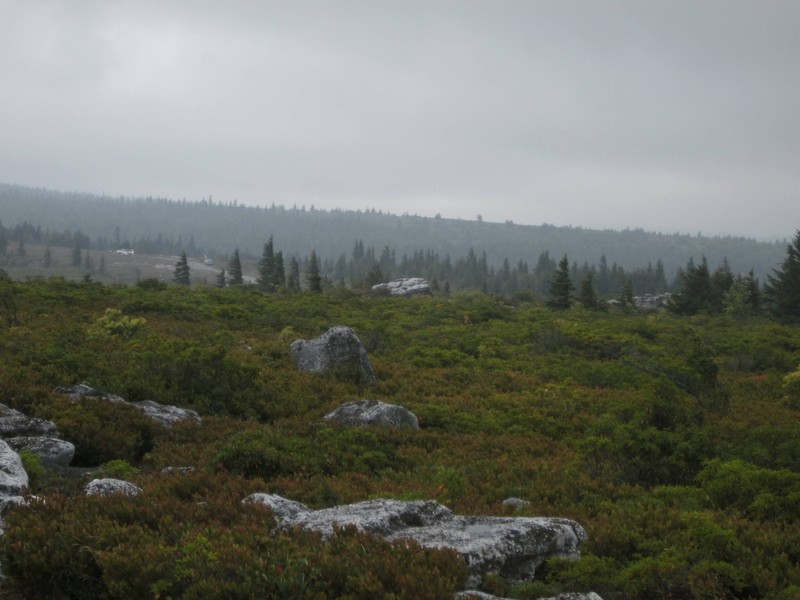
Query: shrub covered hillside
675	441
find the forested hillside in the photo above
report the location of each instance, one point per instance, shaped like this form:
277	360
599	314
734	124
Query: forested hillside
208	227
674	440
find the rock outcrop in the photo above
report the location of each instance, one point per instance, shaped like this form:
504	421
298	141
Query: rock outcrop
110	487
338	350
652	301
512	547
163	413
15	424
52	451
373	412
515	503
405	286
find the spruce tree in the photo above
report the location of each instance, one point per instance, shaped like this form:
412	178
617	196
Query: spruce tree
182	270
782	291
77	259
279	273
588	297
561	286
626	294
695	293
220	281
312	274
266	268
235	269
47	261
293	281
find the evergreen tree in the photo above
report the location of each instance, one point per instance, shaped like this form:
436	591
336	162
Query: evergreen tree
235	269
721	282
220	281
279	279
313	277
588	297
293	280
744	297
266	268
561	286
626	293
782	291
102	269
47	261
182	270
695	293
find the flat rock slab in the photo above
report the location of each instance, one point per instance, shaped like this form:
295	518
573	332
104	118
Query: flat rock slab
405	286
165	414
373	412
512	547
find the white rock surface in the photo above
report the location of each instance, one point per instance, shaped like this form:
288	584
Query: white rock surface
110	487
405	286
373	412
13	477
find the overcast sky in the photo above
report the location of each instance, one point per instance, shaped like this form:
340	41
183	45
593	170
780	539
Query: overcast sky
669	116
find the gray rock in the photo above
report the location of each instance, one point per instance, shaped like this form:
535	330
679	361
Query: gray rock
165	414
15	424
373	412
652	301
285	510
512	547
109	487
405	286
179	470
515	503
13	477
476	595
337	350
52	451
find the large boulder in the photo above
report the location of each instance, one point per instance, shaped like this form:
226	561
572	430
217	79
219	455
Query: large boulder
165	414
111	487
373	412
52	451
512	547
338	350
13	477
405	286
15	424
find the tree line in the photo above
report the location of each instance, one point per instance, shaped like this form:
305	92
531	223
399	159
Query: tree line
695	289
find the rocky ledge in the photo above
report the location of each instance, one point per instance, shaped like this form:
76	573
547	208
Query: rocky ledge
406	286
510	546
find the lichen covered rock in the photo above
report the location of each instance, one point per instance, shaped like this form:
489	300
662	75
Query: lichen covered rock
338	350
373	412
512	547
110	487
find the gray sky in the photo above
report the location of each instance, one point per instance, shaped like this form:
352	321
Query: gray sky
670	116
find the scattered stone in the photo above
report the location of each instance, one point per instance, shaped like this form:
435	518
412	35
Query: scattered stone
179	470
405	286
163	413
515	503
652	301
52	451
15	424
110	487
373	412
511	547
337	350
